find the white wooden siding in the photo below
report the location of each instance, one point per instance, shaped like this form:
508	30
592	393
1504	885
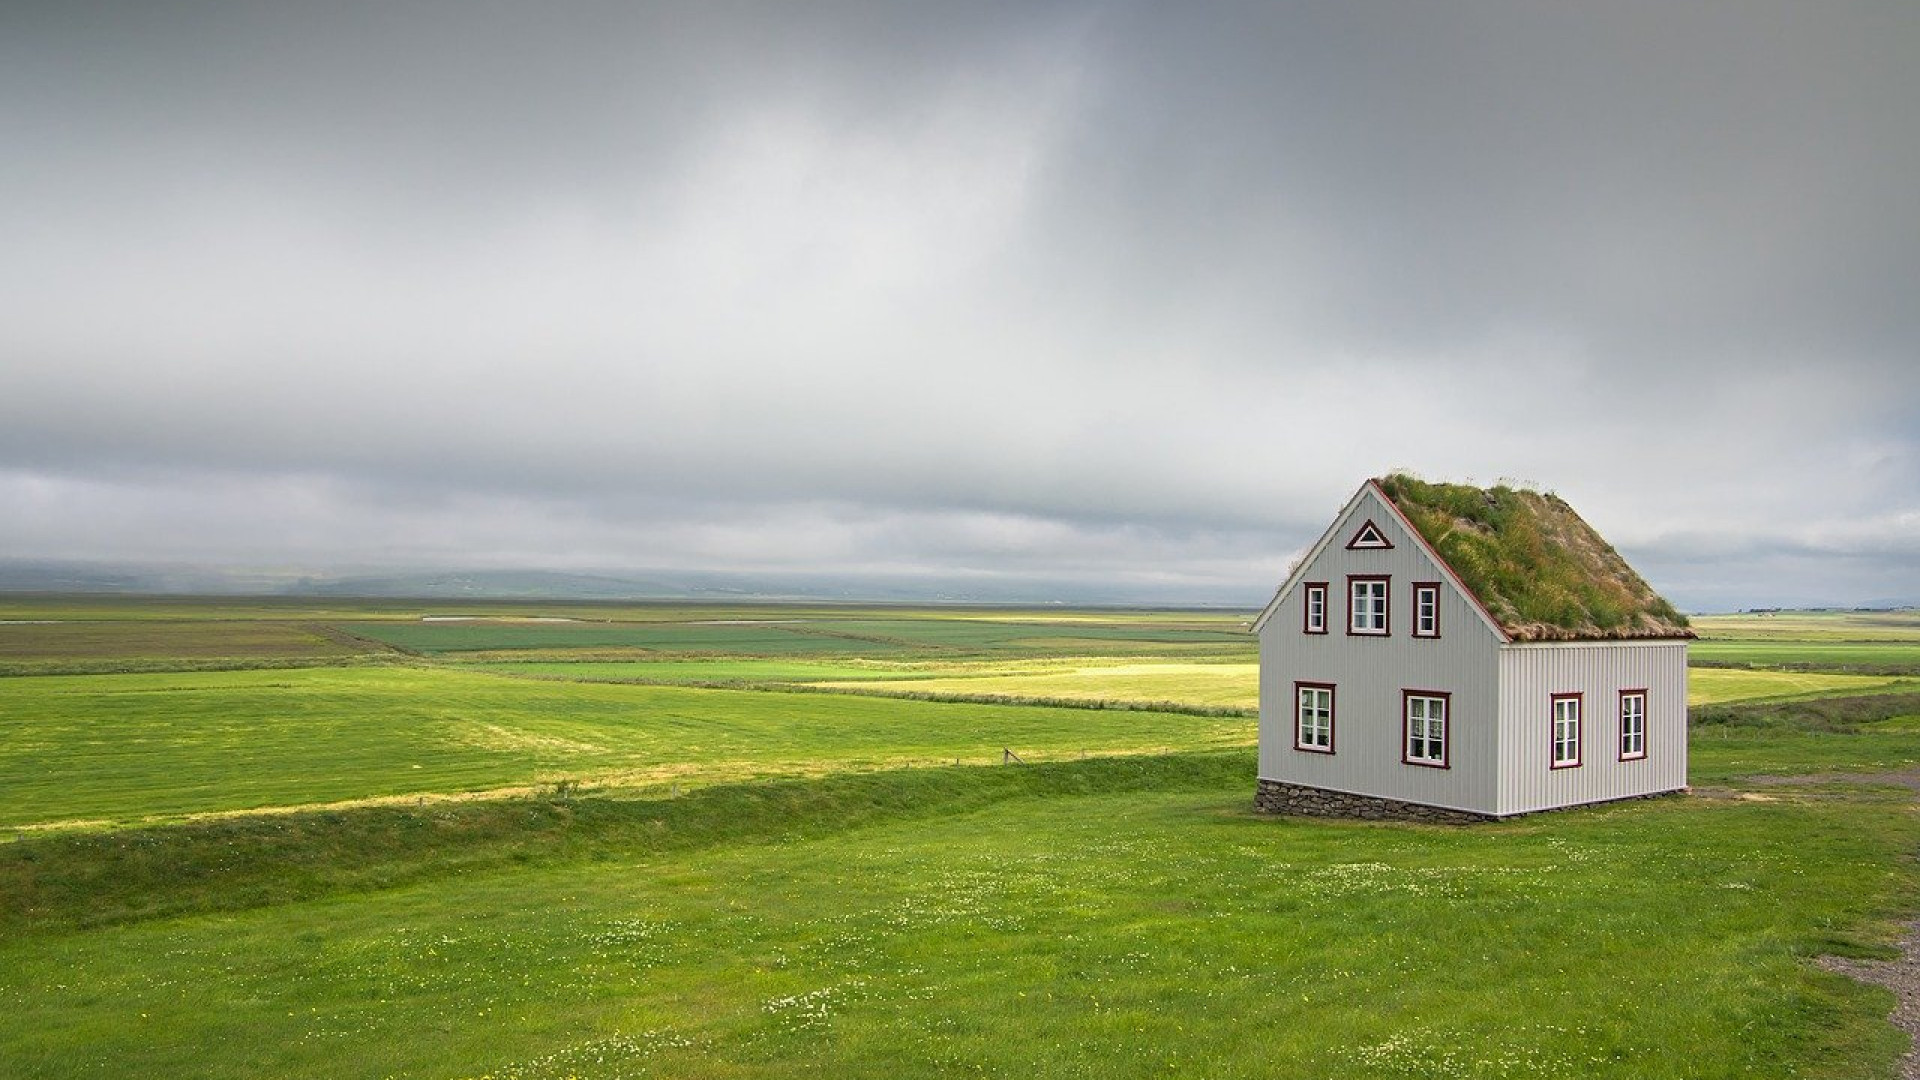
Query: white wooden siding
1369	674
1532	673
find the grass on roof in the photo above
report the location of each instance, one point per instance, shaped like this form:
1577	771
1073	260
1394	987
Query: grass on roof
1540	570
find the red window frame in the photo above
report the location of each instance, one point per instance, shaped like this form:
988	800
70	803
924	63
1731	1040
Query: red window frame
1386	605
1306	608
1641	754
1432	589
1553	731
1332	714
1446	728
1378	543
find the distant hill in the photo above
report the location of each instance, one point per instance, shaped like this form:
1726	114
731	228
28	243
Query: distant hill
47	576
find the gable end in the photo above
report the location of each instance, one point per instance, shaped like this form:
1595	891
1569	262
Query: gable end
1370	517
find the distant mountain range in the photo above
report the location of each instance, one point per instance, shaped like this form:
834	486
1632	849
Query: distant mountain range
158	579
46	576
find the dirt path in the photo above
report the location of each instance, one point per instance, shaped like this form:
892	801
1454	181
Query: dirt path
1900	975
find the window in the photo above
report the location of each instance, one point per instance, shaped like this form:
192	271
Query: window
1367	605
1566	731
1313	717
1426	609
1425	714
1316	608
1633	724
1369	536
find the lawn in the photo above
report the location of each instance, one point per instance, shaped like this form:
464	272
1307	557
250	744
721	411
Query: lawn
703	879
1059	929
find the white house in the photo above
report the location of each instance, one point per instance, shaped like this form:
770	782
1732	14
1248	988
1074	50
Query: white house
1447	652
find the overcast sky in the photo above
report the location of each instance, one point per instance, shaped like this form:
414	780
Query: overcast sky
1097	292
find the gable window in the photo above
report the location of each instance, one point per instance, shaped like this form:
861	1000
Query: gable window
1424	713
1633	724
1369	536
1566	731
1313	717
1426	609
1315	618
1367	605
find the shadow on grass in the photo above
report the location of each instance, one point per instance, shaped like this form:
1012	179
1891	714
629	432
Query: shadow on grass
83	880
1835	715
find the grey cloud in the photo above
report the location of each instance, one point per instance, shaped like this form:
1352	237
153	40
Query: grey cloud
1057	288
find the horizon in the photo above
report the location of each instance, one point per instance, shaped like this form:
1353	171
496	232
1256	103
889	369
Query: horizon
469	586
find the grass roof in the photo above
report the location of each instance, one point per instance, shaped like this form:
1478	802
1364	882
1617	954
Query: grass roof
1538	569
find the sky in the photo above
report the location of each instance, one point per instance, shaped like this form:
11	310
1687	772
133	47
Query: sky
1125	296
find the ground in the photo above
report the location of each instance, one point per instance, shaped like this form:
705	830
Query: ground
654	841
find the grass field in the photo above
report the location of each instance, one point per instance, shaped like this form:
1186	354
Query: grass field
35	648
1177	682
1054	931
125	747
743	671
1813	626
759	882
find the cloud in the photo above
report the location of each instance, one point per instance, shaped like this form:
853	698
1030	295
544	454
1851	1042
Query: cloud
1041	289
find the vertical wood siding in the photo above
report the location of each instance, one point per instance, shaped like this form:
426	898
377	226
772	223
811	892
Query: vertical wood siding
1532	674
1370	673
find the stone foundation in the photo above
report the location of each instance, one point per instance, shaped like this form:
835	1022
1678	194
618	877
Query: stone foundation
1273	797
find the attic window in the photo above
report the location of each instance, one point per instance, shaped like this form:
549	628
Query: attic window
1369	536
1426	609
1367	605
1315	616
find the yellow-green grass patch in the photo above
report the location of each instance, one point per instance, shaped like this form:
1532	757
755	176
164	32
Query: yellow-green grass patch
1226	685
1709	686
125	747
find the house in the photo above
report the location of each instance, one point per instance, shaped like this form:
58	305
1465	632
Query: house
1452	653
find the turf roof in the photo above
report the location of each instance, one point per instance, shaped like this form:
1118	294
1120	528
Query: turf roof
1538	569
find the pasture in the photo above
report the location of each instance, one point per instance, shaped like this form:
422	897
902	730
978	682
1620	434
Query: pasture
691	841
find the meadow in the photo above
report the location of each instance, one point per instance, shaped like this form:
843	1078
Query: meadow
690	841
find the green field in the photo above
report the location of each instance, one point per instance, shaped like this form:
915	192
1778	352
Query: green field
813	634
1707	686
1897	627
1178	683
663	840
116	748
1165	931
738	671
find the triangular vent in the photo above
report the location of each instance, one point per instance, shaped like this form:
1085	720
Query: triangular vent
1369	536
